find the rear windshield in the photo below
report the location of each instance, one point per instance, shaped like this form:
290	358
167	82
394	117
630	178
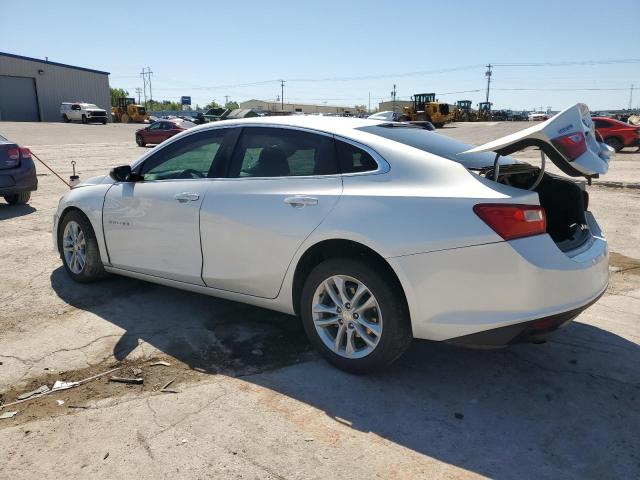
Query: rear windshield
435	143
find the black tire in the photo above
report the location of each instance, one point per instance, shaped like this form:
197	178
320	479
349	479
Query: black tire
93	268
18	199
104	122
140	141
84	119
614	143
65	119
396	327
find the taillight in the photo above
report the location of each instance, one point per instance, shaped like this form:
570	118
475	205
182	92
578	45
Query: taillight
571	146
513	221
25	153
13	153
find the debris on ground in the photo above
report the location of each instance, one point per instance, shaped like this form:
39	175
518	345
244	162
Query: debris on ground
163	363
106	455
76	406
165	387
459	415
8	415
133	381
37	391
57	386
60	385
60	402
137	372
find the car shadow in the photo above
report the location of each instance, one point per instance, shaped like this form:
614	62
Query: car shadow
13	211
565	409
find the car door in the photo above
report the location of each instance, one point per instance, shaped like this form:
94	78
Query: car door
282	184
151	226
74	113
152	134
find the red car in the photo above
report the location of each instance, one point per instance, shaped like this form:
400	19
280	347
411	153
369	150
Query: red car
159	131
617	134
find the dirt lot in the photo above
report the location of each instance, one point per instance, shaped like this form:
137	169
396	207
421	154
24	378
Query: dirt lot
252	401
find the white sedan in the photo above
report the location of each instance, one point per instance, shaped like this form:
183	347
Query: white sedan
373	232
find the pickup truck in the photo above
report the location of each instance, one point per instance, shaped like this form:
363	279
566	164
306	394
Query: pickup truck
83	112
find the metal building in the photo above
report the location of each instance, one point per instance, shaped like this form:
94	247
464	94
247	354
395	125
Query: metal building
32	90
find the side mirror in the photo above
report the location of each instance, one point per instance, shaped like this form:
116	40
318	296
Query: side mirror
123	173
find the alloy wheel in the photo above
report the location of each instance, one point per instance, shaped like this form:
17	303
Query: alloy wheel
347	316
74	247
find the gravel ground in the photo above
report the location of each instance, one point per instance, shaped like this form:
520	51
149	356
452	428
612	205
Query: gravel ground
254	402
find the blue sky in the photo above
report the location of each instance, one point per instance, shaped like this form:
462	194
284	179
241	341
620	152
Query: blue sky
211	49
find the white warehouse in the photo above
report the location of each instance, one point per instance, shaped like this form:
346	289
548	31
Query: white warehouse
31	89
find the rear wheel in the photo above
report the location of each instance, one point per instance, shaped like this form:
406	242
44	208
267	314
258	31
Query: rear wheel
79	248
614	143
140	141
18	199
354	315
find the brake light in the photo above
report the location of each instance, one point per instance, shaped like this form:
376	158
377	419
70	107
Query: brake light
13	153
513	221
571	146
25	153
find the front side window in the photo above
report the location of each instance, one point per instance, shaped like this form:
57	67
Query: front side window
191	157
601	124
280	152
353	159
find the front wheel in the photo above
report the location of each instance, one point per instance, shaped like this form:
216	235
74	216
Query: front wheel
140	141
79	248
614	143
355	315
84	119
18	199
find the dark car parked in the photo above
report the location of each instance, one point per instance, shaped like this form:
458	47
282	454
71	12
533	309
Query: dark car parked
17	173
159	131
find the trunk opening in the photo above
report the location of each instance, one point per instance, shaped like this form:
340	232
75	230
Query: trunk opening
562	199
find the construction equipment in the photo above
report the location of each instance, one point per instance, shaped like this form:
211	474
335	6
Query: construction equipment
127	111
426	107
484	111
463	111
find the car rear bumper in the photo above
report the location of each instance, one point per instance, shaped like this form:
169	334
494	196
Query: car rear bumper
460	292
18	180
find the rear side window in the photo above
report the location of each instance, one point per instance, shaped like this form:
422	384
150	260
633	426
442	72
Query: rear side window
353	159
601	124
281	152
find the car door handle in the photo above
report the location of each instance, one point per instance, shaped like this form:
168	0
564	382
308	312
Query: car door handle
185	197
299	201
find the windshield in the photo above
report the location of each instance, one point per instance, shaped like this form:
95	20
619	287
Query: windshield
436	144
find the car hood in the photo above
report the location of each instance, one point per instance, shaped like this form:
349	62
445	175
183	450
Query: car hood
99	180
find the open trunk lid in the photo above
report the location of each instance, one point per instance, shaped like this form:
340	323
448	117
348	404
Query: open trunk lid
568	139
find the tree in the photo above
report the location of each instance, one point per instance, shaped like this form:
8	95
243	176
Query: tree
211	105
117	93
155	105
231	105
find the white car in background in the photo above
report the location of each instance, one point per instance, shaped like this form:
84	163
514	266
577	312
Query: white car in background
82	112
373	232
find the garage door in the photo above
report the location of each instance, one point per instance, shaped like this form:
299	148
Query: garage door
18	101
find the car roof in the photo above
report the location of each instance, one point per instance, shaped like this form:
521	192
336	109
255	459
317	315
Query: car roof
334	125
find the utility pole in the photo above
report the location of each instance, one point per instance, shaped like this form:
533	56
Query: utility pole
369	110
138	91
631	97
146	79
488	75
393	95
226	100
282	95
